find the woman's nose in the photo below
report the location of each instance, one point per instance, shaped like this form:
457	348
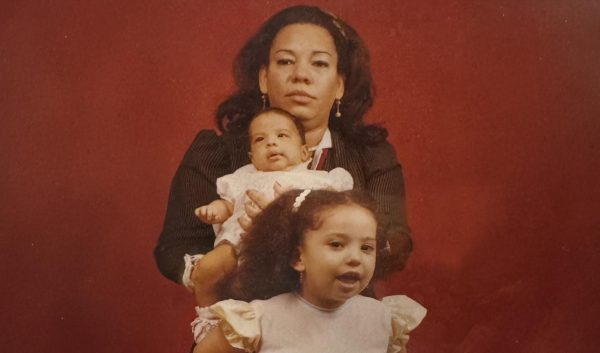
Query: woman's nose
301	73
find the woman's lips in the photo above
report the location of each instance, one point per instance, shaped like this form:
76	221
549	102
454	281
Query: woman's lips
300	97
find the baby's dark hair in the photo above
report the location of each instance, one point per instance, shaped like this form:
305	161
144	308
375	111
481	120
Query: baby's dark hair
285	113
271	246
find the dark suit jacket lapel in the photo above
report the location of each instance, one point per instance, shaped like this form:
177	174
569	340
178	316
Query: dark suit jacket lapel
237	147
346	156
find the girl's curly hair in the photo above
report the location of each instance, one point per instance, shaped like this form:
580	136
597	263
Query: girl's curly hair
234	114
271	246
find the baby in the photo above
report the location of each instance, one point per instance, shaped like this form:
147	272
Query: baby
279	155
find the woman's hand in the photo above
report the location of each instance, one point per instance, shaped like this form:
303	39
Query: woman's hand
255	202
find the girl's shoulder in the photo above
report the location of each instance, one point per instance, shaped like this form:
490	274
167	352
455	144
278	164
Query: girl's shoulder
405	308
406	315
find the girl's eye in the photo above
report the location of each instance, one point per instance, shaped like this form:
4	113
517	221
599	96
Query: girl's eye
367	248
284	61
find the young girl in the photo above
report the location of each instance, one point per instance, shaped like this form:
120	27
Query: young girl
279	156
305	261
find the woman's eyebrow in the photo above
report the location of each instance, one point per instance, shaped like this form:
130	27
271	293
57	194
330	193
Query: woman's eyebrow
290	51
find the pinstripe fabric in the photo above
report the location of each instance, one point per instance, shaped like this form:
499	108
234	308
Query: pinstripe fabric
210	156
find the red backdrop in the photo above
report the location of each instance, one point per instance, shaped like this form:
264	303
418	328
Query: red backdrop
493	108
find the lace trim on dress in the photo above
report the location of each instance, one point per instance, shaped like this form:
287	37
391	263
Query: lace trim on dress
204	322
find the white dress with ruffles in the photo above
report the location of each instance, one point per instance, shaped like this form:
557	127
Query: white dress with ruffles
232	187
287	323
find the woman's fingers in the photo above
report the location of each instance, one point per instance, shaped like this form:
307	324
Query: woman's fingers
258	198
278	189
245	222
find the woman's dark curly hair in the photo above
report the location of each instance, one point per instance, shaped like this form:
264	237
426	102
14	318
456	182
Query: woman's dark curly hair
233	114
271	246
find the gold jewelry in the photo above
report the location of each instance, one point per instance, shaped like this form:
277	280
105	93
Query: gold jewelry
337	108
264	101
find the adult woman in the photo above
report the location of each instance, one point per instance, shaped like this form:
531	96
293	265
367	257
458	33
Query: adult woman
312	64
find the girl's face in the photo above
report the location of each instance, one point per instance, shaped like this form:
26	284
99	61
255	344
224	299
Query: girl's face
338	259
302	75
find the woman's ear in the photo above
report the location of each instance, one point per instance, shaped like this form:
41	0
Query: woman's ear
262	80
298	264
339	93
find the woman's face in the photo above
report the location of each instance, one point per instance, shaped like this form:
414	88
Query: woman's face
302	75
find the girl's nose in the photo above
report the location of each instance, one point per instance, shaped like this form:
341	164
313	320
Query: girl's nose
353	256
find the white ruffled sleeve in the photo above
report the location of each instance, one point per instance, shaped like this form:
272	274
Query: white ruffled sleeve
239	323
407	314
342	180
226	187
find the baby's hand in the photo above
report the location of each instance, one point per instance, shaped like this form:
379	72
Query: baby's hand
208	214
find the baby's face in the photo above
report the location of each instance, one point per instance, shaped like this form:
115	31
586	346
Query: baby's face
275	143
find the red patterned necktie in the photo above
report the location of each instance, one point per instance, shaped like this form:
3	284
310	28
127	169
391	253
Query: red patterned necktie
321	162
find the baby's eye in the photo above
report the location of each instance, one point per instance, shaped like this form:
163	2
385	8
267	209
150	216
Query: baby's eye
281	134
258	139
336	244
284	61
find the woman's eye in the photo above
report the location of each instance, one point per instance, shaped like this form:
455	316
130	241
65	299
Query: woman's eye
321	63
284	61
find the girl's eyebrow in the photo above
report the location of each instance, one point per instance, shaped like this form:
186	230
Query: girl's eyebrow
346	236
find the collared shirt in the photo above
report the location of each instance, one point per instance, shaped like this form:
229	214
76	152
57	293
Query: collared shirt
320	150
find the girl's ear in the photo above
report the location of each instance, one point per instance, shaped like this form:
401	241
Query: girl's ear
298	264
262	80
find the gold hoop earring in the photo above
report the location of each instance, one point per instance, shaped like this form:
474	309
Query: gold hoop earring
264	101
337	108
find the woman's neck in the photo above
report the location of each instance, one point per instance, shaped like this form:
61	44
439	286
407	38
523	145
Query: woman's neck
314	136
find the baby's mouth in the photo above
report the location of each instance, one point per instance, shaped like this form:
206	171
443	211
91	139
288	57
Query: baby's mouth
349	277
274	155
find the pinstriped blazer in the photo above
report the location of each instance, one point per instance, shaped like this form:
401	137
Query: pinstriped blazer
210	156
